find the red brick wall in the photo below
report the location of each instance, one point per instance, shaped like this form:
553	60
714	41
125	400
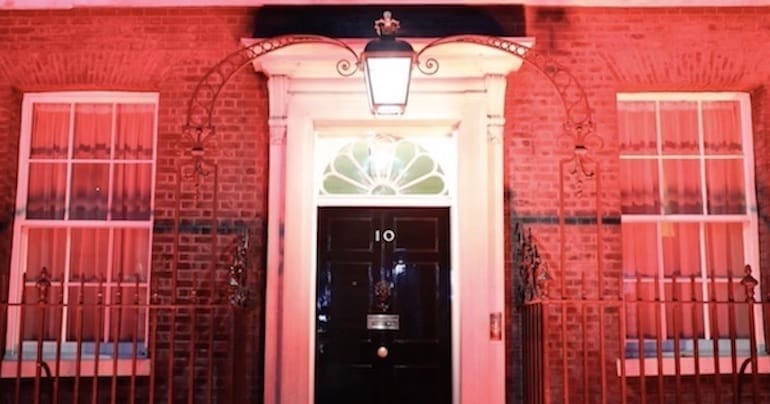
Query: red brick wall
10	106
9	111
166	51
610	51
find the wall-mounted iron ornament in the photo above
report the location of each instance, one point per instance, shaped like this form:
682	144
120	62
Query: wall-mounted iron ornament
534	278
240	295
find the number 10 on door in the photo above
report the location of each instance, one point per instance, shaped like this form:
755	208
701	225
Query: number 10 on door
387	235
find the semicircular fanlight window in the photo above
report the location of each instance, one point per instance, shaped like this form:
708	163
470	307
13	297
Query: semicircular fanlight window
383	165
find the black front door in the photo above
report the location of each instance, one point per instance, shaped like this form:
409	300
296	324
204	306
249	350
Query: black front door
382	306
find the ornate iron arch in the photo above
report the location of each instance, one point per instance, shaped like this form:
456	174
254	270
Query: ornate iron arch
579	121
578	124
199	126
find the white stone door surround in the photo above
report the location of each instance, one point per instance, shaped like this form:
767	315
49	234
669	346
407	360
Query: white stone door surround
466	98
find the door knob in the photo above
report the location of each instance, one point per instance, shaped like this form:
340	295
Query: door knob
382	352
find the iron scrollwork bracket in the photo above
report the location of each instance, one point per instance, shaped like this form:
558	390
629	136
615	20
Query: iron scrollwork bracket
579	121
199	127
579	126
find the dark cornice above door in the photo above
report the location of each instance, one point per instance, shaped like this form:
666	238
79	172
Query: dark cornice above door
417	21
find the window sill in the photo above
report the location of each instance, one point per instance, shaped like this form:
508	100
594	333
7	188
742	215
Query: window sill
706	365
107	367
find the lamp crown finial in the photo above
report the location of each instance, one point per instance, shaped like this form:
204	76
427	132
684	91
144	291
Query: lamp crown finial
387	26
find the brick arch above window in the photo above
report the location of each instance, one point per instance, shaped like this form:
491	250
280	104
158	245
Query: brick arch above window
96	69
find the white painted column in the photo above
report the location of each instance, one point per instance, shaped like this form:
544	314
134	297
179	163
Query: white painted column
298	328
476	375
278	86
495	100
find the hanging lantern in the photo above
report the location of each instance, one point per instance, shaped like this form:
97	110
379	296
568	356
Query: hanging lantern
387	64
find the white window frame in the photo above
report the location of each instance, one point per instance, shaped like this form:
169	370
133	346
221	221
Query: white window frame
749	221
22	224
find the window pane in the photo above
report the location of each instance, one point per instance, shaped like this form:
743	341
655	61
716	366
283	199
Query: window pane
640	310
46	248
722	127
680	319
737	313
724	249
336	184
131	254
679	127
404	153
50	131
640	249
43	323
89	191
46	193
88	260
681	249
135	124
724	189
93	131
433	184
639	191
132	187
637	128
127	319
682	187
85	321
